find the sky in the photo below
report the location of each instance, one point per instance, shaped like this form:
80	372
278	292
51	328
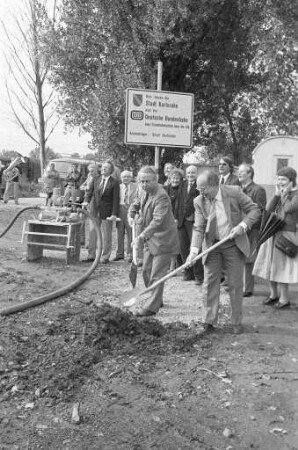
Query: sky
12	137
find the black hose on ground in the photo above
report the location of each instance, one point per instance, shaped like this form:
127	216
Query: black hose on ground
66	289
15	218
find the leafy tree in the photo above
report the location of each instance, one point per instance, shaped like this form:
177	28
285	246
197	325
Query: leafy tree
209	48
8	154
75	155
49	154
90	156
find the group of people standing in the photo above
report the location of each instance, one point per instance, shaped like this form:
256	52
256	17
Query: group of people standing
188	214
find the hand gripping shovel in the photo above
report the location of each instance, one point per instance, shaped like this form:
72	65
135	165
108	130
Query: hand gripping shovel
137	295
134	265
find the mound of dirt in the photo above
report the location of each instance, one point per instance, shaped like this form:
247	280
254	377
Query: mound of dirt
53	361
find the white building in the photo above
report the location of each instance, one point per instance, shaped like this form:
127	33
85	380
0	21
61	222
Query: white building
271	155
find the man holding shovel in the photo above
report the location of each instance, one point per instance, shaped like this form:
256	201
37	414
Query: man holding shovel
222	212
159	235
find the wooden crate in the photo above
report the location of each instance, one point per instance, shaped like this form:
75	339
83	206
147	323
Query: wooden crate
59	236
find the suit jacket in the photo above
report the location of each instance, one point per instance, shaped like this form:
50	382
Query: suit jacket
238	207
106	203
157	222
184	208
232	180
258	195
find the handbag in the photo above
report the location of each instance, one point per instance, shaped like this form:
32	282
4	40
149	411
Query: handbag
286	246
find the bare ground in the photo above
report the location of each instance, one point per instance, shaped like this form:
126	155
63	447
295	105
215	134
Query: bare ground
138	383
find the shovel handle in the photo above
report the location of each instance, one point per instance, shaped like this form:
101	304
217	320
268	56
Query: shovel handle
185	265
134	249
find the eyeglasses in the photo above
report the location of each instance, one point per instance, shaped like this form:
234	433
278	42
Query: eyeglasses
222	164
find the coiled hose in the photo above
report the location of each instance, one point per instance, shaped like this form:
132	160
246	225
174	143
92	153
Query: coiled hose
66	289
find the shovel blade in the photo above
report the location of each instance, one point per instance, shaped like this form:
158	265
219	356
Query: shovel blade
133	274
130	298
135	296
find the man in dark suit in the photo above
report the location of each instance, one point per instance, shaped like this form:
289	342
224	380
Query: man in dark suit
222	211
159	235
105	194
258	195
128	193
226	169
185	210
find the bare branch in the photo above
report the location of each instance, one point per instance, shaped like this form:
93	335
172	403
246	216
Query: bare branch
20	123
52	129
29	110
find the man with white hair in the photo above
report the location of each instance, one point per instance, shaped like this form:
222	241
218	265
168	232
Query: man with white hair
159	235
222	211
128	192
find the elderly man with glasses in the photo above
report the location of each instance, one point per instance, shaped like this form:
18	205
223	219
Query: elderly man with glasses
222	211
159	234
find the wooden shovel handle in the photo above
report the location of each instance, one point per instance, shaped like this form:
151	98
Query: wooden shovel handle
185	265
134	249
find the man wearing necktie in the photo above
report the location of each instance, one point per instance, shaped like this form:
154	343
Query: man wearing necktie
159	234
105	194
226	172
258	195
222	211
128	192
185	221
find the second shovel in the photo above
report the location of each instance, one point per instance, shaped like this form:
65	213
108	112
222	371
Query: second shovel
134	265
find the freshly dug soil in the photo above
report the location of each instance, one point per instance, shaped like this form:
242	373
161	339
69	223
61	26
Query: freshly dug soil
137	384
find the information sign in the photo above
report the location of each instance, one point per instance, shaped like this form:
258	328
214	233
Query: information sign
159	118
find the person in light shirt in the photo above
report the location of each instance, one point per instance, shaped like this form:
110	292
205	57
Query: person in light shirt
128	192
222	211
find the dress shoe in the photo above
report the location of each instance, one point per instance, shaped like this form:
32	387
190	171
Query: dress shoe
144	313
129	260
269	300
117	258
247	294
280	305
199	281
237	329
87	260
105	261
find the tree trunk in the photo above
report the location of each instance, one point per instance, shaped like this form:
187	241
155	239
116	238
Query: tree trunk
236	151
42	140
39	85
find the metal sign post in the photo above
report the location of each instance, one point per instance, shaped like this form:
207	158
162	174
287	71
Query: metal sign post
159	88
